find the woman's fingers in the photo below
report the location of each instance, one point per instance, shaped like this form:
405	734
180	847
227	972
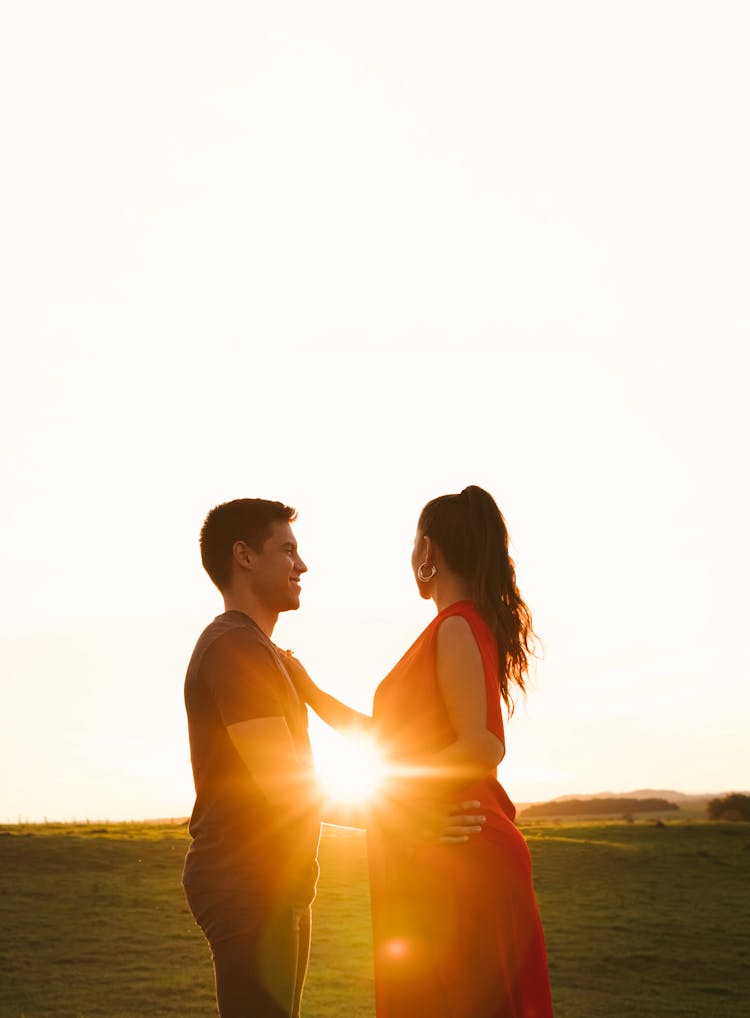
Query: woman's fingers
472	805
457	835
467	821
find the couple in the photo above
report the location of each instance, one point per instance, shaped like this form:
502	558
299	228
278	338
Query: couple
456	928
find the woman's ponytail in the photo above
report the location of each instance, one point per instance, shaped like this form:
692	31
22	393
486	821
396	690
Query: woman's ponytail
470	531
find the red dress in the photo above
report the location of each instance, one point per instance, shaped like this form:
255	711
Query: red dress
456	927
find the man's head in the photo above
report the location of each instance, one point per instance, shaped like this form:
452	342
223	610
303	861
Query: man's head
249	542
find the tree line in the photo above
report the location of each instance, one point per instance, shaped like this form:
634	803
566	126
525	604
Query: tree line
595	807
734	806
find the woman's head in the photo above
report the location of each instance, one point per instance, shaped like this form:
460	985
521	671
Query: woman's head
469	532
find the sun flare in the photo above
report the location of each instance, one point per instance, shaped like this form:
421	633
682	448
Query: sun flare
349	769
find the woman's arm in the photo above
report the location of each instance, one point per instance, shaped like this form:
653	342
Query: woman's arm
476	751
335	713
452	823
416	801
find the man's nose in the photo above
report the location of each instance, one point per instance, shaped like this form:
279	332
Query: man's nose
301	567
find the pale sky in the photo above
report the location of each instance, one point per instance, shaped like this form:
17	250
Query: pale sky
353	256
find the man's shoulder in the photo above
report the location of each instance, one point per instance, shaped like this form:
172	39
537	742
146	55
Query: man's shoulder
230	632
231	622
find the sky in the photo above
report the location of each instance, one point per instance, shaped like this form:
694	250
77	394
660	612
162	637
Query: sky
353	256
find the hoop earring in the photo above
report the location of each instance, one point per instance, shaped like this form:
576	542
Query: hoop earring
422	577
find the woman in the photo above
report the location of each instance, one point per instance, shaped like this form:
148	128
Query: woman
456	928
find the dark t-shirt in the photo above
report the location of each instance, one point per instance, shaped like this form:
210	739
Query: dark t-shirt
240	841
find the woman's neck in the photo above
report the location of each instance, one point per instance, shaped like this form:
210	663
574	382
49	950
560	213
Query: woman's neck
449	588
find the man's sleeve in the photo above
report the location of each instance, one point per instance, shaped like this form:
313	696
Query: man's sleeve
243	677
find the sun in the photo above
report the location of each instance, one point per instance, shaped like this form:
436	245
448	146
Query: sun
349	769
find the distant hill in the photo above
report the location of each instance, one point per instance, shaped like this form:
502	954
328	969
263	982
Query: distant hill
640	793
690	804
650	793
598	806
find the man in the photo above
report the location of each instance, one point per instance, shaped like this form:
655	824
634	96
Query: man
250	872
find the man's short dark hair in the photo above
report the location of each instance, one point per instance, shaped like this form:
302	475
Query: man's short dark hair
244	519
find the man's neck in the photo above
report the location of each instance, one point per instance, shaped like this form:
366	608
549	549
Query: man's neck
265	618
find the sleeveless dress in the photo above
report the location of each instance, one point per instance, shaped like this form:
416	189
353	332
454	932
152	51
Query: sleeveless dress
456	928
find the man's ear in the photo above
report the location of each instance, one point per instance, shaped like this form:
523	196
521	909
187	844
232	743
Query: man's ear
244	555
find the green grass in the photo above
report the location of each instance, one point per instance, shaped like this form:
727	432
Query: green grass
641	920
645	920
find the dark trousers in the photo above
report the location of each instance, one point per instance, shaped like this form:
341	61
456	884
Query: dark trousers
260	953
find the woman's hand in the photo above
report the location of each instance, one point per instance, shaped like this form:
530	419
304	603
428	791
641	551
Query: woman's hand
335	713
304	685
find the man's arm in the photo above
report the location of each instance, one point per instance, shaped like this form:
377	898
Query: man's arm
267	750
450	825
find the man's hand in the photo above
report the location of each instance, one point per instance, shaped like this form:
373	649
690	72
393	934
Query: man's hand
427	820
462	822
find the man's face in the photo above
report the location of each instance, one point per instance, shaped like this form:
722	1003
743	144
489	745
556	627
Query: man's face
277	569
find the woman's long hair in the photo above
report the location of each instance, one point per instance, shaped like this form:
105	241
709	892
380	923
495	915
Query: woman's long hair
470	531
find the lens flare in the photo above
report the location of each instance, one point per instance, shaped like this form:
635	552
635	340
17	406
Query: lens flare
349	770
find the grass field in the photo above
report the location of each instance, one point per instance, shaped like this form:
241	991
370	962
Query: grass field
641	920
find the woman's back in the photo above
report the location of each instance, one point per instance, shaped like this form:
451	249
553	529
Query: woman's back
411	719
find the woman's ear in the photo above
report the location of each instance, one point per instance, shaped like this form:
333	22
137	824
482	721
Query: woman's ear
428	551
